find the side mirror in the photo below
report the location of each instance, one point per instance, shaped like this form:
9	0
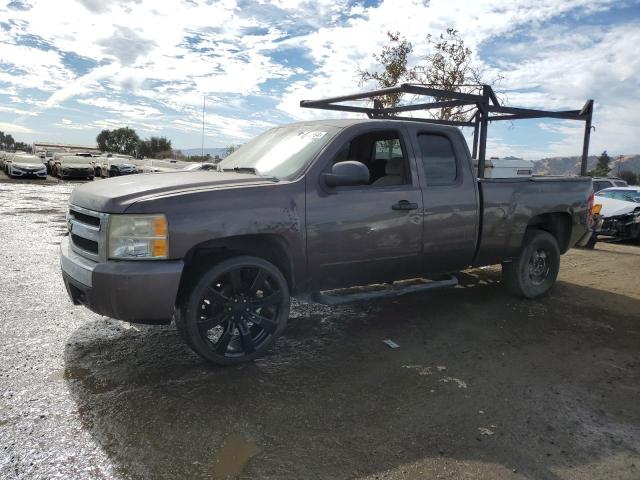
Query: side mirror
345	174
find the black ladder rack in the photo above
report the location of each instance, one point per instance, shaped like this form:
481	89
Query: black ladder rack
488	109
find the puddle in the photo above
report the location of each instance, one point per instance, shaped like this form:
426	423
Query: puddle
234	455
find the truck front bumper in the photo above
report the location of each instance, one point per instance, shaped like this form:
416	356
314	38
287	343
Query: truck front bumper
135	291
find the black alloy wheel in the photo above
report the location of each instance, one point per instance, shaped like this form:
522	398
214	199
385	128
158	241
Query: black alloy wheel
235	311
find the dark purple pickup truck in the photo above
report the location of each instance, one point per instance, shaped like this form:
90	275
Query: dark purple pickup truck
305	210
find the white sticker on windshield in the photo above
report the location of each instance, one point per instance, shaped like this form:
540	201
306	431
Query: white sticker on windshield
312	135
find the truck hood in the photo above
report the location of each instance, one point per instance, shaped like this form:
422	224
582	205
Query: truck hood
612	207
114	195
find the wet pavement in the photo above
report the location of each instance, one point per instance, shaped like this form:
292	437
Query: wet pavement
482	386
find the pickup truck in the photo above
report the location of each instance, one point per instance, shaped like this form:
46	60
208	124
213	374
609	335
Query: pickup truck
305	210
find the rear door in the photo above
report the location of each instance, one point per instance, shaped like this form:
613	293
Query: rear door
450	224
369	233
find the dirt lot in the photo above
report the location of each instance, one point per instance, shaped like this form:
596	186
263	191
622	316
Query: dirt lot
482	386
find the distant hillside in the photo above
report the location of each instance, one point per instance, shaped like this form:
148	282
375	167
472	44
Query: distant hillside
198	151
571	165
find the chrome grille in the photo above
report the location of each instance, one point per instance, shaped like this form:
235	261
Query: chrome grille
88	232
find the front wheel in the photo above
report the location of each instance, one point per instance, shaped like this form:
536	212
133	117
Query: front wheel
235	311
534	272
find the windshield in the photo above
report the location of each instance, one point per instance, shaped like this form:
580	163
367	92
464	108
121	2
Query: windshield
628	195
281	152
75	160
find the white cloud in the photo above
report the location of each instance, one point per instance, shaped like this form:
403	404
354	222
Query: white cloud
15	128
148	63
128	111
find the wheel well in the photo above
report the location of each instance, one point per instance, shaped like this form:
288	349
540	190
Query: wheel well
557	224
201	257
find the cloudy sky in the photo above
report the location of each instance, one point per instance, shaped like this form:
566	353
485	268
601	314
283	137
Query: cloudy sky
69	68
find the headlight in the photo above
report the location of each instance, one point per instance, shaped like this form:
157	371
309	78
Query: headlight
138	236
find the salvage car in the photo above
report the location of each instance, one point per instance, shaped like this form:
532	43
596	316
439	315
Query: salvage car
114	165
304	209
74	167
620	212
26	166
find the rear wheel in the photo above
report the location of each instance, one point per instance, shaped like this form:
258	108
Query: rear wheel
235	311
534	272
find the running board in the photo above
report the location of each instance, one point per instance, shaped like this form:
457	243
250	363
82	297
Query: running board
392	291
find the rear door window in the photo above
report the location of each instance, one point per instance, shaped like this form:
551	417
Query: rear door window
438	159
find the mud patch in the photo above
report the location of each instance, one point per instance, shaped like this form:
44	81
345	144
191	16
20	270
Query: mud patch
233	457
86	377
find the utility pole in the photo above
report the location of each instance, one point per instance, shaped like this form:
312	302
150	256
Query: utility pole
203	102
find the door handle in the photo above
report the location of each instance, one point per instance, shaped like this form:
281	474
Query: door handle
404	205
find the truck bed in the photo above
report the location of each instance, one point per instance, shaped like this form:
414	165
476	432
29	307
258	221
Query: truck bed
509	205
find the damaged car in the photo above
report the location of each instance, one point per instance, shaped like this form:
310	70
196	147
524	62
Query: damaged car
620	212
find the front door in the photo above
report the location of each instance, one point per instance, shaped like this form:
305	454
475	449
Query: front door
369	233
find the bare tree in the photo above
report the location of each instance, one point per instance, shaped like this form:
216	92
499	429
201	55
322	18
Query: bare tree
448	65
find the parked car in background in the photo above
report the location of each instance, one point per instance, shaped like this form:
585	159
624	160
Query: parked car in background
7	158
620	212
206	166
26	166
75	167
4	156
54	161
154	165
114	165
600	183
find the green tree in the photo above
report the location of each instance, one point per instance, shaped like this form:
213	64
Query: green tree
230	149
602	167
448	65
155	147
629	177
6	141
120	140
25	147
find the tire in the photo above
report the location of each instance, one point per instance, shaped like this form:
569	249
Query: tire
534	272
235	311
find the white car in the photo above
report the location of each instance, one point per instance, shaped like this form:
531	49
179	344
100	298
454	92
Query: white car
153	165
620	212
25	166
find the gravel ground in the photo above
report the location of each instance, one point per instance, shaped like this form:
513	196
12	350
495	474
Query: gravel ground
482	386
